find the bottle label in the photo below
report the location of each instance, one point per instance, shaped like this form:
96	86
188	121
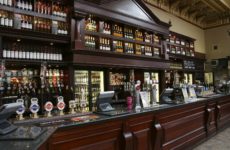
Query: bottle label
2	21
12	54
27	55
8	54
16	54
23	55
31	55
19	55
10	22
6	22
4	53
5	2
10	2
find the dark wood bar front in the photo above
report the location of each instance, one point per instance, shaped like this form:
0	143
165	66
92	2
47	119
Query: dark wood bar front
175	127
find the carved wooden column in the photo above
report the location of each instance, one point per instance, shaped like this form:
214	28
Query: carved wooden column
208	120
157	136
127	138
218	115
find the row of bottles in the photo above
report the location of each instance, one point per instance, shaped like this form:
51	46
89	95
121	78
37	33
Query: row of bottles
117	30
24	4
21	51
90	42
26	22
148	51
189	64
138	35
128	33
105	27
81	77
118	46
6	19
19	82
139	49
180	50
55	81
59	10
129	48
42	25
90	24
104	44
6	2
39	6
62	28
175	40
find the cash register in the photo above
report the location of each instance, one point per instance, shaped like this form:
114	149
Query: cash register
104	106
104	101
6	111
172	96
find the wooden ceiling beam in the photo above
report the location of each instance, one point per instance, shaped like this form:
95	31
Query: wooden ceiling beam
225	3
210	4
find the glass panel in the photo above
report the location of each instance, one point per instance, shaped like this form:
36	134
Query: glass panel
97	86
81	84
155	79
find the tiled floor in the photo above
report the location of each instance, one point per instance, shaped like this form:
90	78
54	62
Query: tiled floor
221	141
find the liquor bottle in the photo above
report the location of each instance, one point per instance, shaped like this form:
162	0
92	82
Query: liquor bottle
106	28
173	50
117	30
138	49
9	2
16	52
148	38
4	2
148	51
18	3
138	35
156	39
27	52
128	33
178	50
23	52
2	23
156	51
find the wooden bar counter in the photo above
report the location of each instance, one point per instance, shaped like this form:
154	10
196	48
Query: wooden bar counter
179	126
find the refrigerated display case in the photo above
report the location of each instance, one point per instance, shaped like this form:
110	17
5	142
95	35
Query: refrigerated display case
97	86
92	83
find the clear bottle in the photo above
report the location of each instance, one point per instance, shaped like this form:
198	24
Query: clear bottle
9	2
4	55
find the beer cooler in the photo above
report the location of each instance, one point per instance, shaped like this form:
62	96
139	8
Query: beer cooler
88	84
